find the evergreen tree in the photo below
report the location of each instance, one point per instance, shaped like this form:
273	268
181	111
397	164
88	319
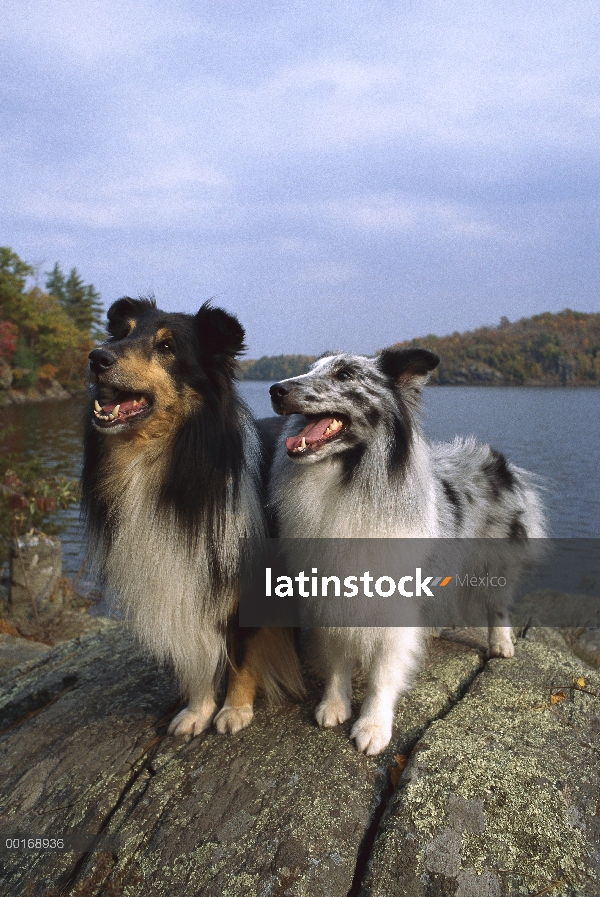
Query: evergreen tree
76	305
92	298
55	285
80	301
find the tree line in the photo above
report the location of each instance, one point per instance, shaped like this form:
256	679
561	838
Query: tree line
45	334
549	349
561	349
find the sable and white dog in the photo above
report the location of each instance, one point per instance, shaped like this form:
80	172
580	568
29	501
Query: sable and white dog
356	465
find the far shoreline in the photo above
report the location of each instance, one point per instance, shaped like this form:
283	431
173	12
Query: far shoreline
13	398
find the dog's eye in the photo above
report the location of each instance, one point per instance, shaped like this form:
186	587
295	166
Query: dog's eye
166	346
343	375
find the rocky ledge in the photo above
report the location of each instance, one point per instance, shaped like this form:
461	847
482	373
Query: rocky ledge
491	785
50	390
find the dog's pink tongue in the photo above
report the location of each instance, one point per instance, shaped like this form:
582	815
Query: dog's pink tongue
312	432
125	405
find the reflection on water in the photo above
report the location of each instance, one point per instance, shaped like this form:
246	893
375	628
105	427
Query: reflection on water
553	432
50	429
54	431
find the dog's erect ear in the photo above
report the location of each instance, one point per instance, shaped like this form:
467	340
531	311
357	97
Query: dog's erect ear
124	310
219	333
408	367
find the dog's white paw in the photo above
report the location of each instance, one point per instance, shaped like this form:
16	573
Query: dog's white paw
501	647
332	712
501	650
500	641
230	720
371	736
191	722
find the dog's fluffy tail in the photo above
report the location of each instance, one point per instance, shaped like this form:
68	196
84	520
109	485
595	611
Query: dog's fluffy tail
275	664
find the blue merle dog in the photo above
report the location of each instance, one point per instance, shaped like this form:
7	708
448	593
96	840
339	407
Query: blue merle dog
353	463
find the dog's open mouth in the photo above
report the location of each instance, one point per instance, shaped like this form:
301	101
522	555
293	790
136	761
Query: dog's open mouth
317	432
120	407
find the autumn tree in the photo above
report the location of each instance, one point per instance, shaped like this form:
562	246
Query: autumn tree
13	277
8	339
37	334
554	349
52	335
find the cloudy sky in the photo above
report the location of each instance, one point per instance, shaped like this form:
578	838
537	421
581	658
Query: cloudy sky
340	174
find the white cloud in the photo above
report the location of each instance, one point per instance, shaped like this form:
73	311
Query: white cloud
388	215
176	193
65	32
304	148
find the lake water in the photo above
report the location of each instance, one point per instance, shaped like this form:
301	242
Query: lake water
553	432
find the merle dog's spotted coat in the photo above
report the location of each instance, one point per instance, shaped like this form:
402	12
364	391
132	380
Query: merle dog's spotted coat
353	463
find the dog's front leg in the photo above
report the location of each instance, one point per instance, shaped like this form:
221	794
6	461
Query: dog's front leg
245	656
196	717
265	659
197	670
499	633
392	665
238	710
372	731
338	665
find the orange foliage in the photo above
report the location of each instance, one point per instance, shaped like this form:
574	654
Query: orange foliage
47	372
550	349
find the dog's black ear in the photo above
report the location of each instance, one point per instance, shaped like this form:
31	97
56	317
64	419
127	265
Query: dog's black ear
124	310
219	333
408	367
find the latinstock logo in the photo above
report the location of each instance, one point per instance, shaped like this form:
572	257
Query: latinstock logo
385	586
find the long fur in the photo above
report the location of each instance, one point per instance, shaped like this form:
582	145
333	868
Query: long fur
380	478
168	497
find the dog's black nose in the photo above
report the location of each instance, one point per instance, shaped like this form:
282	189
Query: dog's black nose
101	360
278	391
